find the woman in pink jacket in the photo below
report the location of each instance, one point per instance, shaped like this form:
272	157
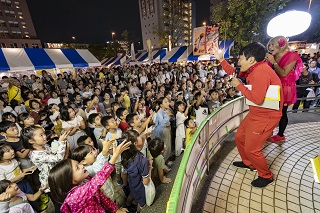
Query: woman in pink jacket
69	188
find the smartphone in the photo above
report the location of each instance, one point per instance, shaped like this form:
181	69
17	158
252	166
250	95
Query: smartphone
119	141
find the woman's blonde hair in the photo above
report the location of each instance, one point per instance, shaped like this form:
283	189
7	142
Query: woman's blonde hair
280	41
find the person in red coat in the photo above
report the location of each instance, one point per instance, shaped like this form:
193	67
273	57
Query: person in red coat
257	126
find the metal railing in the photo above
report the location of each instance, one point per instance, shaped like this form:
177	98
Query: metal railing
315	99
203	146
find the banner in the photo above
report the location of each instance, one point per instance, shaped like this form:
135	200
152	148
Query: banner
149	49
133	55
212	38
199	41
205	40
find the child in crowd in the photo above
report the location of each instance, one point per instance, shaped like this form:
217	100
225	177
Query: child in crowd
77	99
78	195
72	123
126	99
85	140
54	116
98	130
114	107
54	98
181	116
200	108
142	128
162	125
8	116
191	129
41	154
137	166
93	161
142	111
64	101
79	111
25	120
113	133
157	148
10	170
91	105
122	114
10	131
34	110
213	103
19	200
106	109
44	120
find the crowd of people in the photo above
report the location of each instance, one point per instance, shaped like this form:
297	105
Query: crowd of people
63	136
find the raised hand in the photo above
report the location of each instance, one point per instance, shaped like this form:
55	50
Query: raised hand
64	136
5	197
106	145
218	54
122	210
117	150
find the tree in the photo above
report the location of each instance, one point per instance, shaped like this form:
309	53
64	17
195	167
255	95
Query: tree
102	51
245	21
173	24
125	35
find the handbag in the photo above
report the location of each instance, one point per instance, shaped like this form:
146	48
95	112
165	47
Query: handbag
150	192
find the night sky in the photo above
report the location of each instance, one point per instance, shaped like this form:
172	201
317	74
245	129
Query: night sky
59	20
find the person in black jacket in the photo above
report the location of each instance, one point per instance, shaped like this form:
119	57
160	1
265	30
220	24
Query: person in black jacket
302	92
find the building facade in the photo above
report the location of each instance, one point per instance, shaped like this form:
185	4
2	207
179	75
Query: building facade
16	26
174	16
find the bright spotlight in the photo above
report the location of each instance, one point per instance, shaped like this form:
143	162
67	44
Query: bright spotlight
289	24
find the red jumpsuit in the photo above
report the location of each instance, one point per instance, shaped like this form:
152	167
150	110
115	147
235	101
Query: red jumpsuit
259	123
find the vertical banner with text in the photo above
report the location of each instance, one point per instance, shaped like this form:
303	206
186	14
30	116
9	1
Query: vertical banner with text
212	38
149	49
133	55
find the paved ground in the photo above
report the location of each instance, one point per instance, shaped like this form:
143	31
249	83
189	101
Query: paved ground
293	190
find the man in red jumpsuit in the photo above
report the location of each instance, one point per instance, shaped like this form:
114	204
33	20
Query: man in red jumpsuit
259	123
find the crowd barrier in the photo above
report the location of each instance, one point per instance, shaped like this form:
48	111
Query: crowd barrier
203	146
315	100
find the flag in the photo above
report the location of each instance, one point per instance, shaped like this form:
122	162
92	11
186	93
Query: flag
133	55
149	49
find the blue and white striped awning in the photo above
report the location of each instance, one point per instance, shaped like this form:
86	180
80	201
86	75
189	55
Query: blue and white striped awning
22	59
120	61
157	57
142	57
130	58
178	54
185	53
111	61
108	61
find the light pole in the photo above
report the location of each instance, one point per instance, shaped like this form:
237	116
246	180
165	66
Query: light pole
204	23
73	38
112	34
